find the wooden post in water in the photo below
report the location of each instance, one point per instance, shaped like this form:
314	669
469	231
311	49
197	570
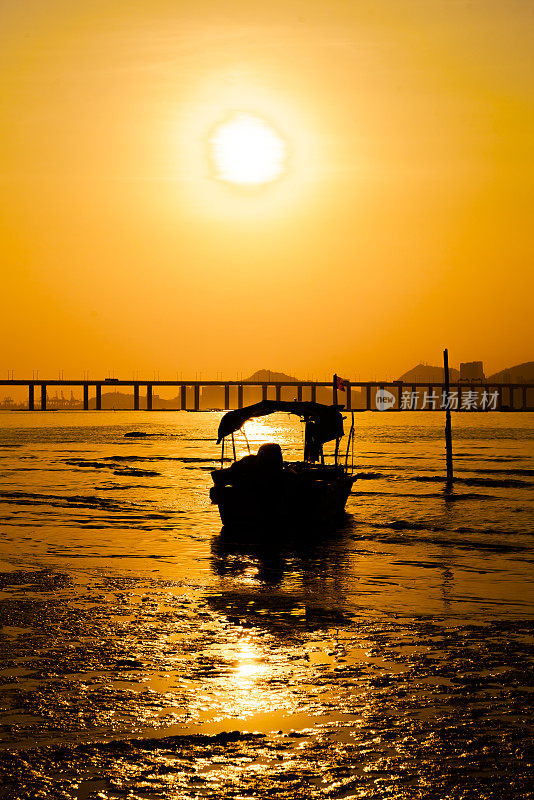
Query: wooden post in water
448	427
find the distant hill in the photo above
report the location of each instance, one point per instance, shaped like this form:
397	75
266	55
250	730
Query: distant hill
522	373
423	372
121	401
268	375
213	396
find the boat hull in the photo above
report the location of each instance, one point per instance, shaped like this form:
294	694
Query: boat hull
318	502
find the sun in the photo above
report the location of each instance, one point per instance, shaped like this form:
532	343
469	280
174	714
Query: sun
247	151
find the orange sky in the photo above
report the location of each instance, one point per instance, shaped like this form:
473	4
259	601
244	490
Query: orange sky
402	225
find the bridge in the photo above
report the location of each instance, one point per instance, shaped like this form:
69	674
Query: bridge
357	396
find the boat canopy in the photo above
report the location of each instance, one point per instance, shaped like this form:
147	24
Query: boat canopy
327	421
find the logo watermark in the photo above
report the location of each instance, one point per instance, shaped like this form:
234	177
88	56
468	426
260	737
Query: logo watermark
468	400
384	400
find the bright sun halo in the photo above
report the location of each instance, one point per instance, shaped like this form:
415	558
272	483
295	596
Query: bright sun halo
246	150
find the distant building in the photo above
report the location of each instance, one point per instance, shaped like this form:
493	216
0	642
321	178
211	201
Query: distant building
472	371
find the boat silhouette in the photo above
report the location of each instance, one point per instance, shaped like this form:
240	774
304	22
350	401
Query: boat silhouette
263	489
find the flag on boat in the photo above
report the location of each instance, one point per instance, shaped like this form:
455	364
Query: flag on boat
341	383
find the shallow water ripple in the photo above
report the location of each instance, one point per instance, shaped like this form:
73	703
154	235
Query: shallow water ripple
143	701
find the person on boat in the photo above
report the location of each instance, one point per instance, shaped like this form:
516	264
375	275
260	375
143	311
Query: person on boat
266	466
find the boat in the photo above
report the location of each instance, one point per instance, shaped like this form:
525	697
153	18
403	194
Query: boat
264	490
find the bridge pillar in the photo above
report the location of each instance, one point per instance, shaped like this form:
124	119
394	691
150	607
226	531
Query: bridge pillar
299	392
348	389
86	397
98	404
313	392
136	397
43	397
149	397
524	406
399	396
264	392
240	396
183	397
278	391
31	397
197	397
226	396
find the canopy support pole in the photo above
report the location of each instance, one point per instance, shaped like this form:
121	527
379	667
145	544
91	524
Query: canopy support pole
335	403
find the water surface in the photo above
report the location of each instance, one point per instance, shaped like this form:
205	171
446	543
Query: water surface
150	654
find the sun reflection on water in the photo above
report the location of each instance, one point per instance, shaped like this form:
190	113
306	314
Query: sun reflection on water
245	693
250	686
249	665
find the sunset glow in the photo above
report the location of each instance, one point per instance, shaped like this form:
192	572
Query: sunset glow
219	187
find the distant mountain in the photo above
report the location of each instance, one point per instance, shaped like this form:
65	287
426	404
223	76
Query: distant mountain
522	373
268	375
121	401
423	372
214	396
